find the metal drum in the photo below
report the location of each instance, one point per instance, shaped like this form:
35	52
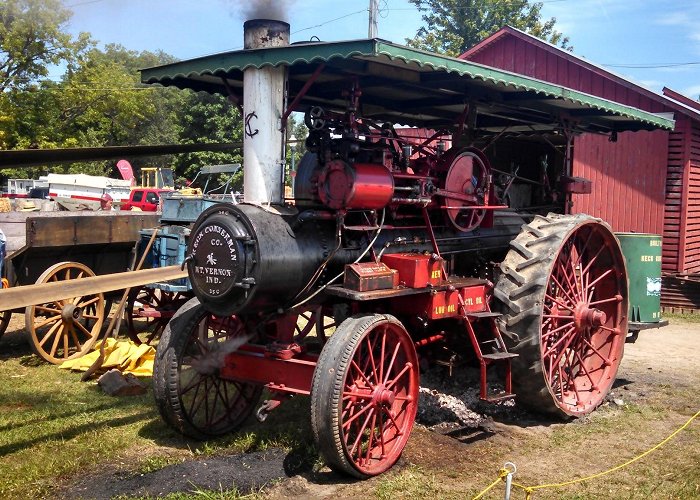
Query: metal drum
643	255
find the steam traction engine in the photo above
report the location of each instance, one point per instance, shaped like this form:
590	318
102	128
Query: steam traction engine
396	242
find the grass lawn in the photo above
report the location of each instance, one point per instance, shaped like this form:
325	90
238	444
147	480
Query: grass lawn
54	428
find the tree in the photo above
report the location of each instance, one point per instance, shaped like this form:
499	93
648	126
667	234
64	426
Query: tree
98	102
453	26
104	104
33	37
207	118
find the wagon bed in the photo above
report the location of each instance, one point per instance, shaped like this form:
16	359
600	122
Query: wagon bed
103	241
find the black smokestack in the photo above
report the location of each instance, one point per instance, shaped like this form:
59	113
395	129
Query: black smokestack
265	33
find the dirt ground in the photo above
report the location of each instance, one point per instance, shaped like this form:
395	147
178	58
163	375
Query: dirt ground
659	360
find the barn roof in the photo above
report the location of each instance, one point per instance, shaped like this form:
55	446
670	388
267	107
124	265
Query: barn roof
672	100
409	86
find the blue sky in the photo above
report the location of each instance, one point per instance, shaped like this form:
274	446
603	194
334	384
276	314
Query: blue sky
654	43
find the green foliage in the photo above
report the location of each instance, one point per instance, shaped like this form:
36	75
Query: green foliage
453	26
32	37
99	101
102	102
207	118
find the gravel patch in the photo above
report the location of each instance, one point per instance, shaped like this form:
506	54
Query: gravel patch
448	402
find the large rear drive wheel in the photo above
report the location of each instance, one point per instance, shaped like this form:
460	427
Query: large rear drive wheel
364	395
564	289
191	396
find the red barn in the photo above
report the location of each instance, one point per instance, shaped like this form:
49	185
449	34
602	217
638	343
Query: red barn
646	182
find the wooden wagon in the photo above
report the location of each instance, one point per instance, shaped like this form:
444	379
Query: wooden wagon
62	268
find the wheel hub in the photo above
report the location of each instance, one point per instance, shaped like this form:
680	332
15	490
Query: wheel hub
382	396
71	312
588	317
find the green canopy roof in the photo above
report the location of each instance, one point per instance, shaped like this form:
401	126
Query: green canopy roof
412	87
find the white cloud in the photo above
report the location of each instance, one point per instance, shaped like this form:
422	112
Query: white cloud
686	21
692	92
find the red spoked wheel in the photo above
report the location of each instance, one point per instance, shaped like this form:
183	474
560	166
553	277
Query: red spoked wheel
565	288
190	394
364	395
466	187
314	323
148	310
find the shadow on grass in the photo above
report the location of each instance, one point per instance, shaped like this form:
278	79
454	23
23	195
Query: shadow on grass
15	344
622	382
287	428
36	402
254	456
71	432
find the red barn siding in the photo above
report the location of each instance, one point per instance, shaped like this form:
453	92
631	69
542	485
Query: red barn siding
691	256
681	250
629	175
628	192
675	214
628	179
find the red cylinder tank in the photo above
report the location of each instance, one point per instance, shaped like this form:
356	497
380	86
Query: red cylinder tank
365	186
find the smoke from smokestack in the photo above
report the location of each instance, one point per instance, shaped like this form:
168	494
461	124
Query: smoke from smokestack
263	9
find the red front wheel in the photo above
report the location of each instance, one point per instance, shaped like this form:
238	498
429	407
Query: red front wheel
364	395
191	396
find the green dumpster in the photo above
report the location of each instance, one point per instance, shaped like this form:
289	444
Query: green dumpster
643	256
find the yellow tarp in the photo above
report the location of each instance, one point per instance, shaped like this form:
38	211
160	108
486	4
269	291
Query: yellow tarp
123	355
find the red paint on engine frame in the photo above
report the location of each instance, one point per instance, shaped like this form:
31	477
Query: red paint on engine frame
443	304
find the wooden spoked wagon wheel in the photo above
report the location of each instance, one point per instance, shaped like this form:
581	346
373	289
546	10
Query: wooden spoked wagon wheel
67	328
564	284
189	392
148	310
364	395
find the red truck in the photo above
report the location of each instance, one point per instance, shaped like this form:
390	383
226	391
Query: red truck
144	199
